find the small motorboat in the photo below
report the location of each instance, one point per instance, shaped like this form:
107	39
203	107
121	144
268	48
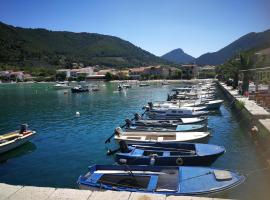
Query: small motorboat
95	88
61	86
15	139
126	86
162	137
209	105
181	127
144	85
79	89
174	154
173	113
165	180
164	123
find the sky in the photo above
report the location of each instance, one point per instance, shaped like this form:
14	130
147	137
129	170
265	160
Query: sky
158	26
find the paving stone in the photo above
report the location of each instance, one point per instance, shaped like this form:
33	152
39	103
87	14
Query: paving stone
32	193
144	196
70	194
109	195
7	190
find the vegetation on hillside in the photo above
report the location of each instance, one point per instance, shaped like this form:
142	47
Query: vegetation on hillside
43	48
245	43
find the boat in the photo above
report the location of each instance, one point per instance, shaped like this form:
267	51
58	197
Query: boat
177	180
144	84
175	113
61	85
15	139
181	127
209	105
162	137
79	89
165	83
95	88
126	86
176	154
139	121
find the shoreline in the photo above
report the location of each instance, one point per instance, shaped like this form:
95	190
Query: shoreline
17	192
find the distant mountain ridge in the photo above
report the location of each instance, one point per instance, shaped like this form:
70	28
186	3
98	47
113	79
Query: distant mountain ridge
178	56
41	47
246	42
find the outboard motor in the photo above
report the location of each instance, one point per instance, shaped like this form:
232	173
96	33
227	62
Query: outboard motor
128	122
123	146
150	105
23	128
137	116
118	131
169	98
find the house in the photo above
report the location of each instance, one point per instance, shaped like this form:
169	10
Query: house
86	71
66	72
189	71
105	71
16	76
74	73
135	73
207	71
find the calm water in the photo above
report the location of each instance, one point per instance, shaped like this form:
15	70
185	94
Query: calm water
66	144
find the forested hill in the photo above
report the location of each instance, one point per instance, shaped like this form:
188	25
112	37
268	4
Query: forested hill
41	47
249	41
178	56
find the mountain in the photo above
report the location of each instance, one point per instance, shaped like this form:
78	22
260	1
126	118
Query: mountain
178	56
246	42
41	47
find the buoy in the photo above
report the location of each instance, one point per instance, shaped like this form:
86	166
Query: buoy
254	131
77	114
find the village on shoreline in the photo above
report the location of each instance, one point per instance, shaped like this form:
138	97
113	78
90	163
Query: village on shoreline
89	73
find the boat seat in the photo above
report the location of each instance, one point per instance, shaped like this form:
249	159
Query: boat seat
222	175
168	181
166	153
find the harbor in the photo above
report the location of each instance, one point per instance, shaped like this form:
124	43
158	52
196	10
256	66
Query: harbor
59	142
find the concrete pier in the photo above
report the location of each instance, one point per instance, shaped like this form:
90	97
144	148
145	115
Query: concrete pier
12	192
258	114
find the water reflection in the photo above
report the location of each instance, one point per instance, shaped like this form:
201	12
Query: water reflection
26	148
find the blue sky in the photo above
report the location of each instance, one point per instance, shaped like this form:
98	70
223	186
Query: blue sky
158	26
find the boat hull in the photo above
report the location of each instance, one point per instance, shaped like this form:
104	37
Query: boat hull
15	143
160	179
169	161
185	154
183	128
79	91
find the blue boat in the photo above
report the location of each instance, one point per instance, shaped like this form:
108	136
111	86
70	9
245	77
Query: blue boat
175	154
159	180
182	128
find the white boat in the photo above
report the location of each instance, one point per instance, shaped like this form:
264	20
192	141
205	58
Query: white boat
61	86
176	112
161	137
212	104
15	139
165	123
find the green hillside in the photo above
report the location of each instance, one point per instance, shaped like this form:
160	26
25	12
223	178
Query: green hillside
246	42
44	48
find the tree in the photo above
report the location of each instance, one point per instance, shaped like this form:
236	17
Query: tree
108	76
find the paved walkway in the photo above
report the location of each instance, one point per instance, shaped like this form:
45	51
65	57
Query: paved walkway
256	111
11	192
